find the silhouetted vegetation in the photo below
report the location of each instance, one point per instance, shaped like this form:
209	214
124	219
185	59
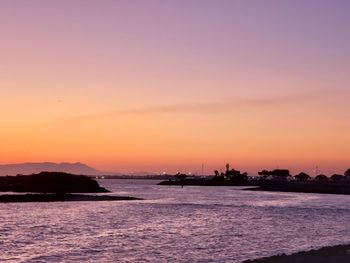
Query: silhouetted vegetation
337	177
302	177
180	176
230	177
347	173
54	187
321	178
50	182
275	180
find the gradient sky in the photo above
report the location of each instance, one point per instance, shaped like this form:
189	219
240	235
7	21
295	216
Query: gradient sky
169	85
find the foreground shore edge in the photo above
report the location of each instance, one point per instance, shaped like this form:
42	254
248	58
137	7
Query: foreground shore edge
23	198
332	254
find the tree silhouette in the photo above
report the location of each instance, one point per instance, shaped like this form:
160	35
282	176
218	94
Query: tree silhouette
321	177
302	176
337	177
347	173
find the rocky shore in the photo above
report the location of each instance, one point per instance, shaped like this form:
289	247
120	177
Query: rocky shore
334	254
53	187
50	182
342	188
60	198
329	187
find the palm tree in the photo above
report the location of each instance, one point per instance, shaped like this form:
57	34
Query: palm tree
216	173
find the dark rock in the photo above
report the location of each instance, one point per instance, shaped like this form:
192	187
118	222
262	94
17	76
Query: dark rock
335	254
60	198
50	182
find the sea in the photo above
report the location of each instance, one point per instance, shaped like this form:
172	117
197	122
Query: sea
173	224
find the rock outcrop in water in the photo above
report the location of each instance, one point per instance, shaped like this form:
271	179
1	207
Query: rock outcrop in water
25	198
50	182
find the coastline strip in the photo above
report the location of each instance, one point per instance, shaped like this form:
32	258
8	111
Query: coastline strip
332	254
23	198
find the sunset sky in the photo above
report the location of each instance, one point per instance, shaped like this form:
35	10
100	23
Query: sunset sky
168	85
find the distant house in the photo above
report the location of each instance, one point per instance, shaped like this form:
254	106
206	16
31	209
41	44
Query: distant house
232	174
277	174
281	174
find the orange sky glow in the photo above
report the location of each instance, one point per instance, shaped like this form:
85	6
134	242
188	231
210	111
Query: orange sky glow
126	86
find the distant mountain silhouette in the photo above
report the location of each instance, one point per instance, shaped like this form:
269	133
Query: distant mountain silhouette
30	168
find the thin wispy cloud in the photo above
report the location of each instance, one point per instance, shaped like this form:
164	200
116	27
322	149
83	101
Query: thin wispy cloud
200	108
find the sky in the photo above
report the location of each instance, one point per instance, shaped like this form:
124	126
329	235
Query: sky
166	85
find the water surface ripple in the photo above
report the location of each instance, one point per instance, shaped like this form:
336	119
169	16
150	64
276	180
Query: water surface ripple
173	224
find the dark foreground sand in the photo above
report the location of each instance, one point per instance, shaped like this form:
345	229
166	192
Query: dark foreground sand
60	198
335	254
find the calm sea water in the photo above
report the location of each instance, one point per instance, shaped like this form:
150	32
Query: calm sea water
173	224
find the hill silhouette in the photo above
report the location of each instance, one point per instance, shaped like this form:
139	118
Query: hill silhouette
31	168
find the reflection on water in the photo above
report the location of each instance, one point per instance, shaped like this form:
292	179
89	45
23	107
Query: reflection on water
173	224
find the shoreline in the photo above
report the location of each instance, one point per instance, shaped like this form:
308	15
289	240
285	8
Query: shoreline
331	254
29	198
339	188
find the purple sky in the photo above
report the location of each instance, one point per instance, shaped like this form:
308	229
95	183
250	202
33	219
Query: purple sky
242	74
